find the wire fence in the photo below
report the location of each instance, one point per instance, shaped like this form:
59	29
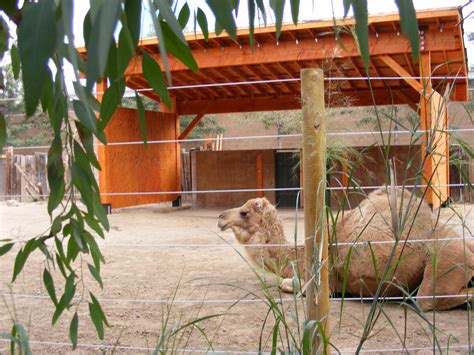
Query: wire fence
269	136
246	301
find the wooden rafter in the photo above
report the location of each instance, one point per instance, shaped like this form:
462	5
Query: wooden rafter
400	71
191	125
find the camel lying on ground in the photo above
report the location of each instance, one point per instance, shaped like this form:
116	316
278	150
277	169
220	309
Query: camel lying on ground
433	267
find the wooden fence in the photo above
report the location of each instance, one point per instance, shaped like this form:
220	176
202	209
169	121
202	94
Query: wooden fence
25	176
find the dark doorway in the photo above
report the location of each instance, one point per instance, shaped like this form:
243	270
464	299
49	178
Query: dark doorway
287	175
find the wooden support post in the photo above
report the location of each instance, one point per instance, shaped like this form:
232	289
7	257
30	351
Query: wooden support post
314	182
435	143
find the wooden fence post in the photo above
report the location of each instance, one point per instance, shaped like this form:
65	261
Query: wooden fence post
9	173
314	184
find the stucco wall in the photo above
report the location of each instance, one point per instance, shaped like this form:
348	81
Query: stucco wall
230	170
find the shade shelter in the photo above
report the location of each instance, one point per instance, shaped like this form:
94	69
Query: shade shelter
233	78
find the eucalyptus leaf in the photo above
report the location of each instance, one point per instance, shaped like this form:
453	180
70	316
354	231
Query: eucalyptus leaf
183	16
154	76
49	285
73	330
5	248
278	7
3	131
36	43
103	27
15	57
202	21
133	11
222	10
55	174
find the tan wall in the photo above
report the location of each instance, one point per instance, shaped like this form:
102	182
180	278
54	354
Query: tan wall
230	170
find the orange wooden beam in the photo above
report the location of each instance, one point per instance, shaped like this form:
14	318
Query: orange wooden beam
400	71
191	125
305	50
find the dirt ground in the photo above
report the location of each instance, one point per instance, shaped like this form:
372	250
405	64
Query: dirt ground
156	254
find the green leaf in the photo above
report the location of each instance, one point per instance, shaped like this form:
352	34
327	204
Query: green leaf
124	53
102	314
202	21
154	76
96	274
55	174
275	336
3	131
278	7
85	115
96	319
409	25
83	161
183	16
308	337
60	307
73	330
177	48
36	42
362	29
4	36
69	290
82	182
22	257
97	316
133	11
49	285
76	233
99	211
261	7
167	14
15	56
222	10
141	116
111	99
5	248
91	221
100	38
97	256
47	94
251	6
295	9
111	68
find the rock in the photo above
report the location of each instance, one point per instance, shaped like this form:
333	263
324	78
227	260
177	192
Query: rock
12	203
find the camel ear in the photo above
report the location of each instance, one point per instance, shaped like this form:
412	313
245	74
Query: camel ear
259	204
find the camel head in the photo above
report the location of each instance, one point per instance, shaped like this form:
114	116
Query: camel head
255	215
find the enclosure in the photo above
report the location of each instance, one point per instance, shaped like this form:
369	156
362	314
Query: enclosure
168	262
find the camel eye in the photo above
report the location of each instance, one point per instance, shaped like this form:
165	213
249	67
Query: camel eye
243	214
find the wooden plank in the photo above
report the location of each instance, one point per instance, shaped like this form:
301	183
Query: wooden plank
305	50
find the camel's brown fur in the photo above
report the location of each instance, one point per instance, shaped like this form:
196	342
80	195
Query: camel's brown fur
256	222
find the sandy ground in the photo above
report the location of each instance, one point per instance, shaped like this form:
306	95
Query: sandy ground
141	278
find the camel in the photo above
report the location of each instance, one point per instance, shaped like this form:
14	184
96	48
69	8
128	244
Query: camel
431	267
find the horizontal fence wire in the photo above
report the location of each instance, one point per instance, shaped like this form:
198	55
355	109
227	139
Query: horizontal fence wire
240	300
273	189
138	348
269	136
239	352
281	80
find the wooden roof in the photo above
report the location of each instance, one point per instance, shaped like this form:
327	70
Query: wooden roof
312	44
